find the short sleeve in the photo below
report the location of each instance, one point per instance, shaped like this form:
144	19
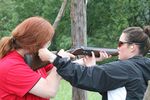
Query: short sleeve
20	79
48	67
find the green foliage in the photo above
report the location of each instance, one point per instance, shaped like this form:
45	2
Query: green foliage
50	9
7	17
105	19
29	8
65	93
62	37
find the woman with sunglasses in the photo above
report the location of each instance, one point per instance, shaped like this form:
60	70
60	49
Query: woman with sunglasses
129	74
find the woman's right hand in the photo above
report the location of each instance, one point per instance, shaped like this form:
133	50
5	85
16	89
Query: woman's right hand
46	55
65	54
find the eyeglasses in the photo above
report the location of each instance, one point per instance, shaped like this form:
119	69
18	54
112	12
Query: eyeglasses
120	43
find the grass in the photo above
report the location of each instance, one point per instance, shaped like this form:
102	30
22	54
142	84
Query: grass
65	93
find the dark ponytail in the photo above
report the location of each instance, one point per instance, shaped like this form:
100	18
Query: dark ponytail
147	30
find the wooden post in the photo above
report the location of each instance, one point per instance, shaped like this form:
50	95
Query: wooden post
79	37
79	94
60	14
78	23
147	93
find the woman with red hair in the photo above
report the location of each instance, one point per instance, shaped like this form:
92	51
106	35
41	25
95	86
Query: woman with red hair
18	80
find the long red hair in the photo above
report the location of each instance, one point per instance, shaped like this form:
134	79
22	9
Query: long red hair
31	34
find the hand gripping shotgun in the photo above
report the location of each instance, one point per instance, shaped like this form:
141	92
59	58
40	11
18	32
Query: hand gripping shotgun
88	51
35	63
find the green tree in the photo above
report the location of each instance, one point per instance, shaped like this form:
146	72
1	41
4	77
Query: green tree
106	19
7	16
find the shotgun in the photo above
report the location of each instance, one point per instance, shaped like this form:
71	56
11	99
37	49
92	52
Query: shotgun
88	50
35	63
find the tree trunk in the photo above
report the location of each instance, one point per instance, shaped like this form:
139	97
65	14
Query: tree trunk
79	37
79	94
60	14
78	23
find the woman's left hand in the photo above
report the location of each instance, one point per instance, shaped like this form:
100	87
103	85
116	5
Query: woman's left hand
91	60
103	56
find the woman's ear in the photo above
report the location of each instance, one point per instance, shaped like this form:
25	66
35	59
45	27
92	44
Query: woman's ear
131	47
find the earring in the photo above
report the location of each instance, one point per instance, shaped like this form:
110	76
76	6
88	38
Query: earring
131	47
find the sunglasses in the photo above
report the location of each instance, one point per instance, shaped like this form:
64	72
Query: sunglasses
120	43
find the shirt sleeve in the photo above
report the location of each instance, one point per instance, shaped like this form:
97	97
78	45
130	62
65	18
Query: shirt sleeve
99	78
20	79
49	67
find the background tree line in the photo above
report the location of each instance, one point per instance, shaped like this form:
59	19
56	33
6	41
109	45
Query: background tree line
105	19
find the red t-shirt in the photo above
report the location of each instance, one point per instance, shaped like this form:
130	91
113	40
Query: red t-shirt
17	78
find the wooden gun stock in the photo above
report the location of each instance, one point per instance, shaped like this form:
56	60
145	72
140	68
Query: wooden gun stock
88	50
34	61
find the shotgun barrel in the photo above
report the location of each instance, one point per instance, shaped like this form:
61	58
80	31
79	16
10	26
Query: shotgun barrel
89	50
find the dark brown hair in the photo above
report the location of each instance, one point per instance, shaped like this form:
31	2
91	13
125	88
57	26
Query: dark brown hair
139	36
